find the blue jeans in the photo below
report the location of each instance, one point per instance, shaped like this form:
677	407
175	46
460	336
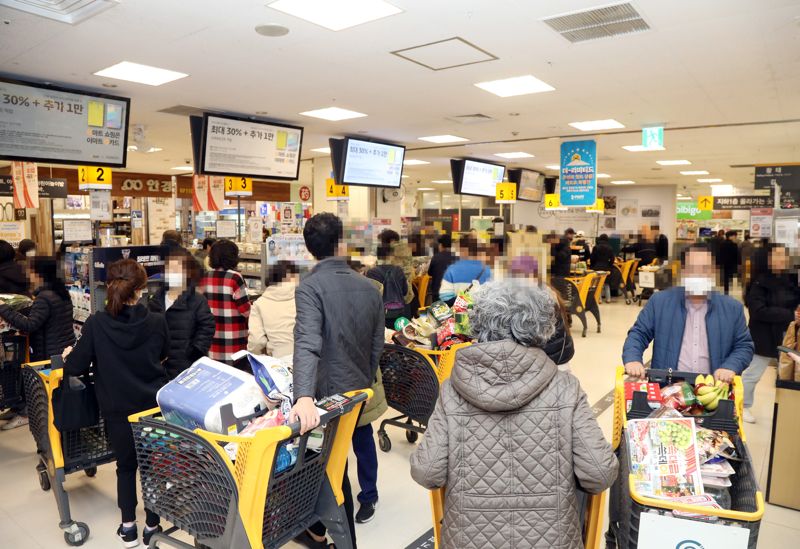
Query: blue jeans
367	463
751	376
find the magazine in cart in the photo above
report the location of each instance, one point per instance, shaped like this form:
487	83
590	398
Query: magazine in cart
663	457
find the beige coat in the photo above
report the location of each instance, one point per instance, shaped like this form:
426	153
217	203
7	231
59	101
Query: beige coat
271	322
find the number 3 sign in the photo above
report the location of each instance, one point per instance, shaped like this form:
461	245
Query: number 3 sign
238	186
94	178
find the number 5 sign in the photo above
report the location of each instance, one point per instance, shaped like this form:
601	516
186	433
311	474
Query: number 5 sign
94	178
238	186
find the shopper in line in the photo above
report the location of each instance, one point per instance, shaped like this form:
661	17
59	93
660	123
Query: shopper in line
191	324
202	253
772	301
729	259
12	276
394	284
172	239
273	314
48	323
401	256
510	434
602	259
662	247
26	250
580	242
338	338
561	252
465	272
692	327
124	345
226	293
440	261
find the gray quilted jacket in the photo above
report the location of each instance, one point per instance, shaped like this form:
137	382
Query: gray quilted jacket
509	437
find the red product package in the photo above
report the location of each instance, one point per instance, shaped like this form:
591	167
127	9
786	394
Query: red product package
652	389
447	329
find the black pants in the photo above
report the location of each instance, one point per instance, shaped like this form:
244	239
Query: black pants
727	278
121	437
319	529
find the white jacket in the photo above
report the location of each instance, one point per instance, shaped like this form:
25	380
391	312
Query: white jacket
272	322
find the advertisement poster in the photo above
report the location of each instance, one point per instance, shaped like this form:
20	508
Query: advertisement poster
160	217
150	257
288	247
628	214
761	223
255	230
209	193
578	173
666	532
226	228
77	230
12	232
653	212
786	231
663	457
688	209
610	204
25	178
100	209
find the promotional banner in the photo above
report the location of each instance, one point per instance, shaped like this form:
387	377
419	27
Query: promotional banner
48	187
686	209
25	178
761	223
786	175
578	173
150	257
12	232
160	217
209	193
743	202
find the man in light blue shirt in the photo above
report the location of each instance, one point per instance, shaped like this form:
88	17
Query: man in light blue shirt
462	274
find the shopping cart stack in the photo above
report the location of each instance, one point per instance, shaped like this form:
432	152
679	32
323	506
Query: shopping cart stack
61	453
264	497
12	354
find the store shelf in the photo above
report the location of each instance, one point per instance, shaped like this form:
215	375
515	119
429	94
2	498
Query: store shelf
249	257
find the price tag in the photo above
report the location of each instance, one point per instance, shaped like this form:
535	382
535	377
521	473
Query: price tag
238	186
94	178
551	201
505	193
336	192
705	203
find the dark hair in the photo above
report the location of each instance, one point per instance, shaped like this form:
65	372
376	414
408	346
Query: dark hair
25	245
570	230
388	236
445	240
322	235
191	265
224	254
171	237
7	252
470	243
696	247
280	272
531	229
208	242
47	268
731	233
384	251
603	238
124	278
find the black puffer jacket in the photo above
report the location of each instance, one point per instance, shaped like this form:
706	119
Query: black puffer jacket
191	328
771	301
602	258
13	279
560	348
48	324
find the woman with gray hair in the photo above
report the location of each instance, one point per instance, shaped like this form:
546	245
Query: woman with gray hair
511	435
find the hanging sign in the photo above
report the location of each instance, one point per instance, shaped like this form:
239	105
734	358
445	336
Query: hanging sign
238	186
551	202
578	173
336	192
785	175
653	138
690	210
743	202
94	178
48	188
100	209
505	193
209	193
705	203
25	180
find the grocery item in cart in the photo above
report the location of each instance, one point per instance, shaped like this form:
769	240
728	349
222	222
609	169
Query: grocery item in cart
711	443
194	398
274	376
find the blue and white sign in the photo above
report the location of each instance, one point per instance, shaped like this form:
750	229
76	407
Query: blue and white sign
578	182
653	138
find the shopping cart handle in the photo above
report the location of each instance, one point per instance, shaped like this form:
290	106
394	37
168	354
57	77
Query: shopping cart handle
334	412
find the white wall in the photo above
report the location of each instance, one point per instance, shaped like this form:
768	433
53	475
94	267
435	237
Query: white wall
528	213
660	195
357	206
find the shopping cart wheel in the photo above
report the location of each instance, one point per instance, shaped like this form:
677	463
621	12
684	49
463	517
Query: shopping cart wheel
77	534
383	441
44	480
90	472
412	436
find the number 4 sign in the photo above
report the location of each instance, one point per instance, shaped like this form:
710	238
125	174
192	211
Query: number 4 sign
238	186
94	178
336	192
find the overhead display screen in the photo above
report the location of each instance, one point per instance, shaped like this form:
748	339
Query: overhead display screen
373	164
531	186
481	178
41	123
239	146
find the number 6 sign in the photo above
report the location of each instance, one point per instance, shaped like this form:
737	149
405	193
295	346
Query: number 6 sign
238	186
94	178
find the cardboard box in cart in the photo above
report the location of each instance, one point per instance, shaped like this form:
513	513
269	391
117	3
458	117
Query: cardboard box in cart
783	484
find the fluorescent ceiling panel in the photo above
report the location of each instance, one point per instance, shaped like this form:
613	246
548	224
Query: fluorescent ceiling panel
338	15
183	168
443	139
445	54
141	74
695	172
414	162
603	176
553	167
712	180
596	125
513	155
518	85
441	181
323	150
334	114
623	182
640	148
673	162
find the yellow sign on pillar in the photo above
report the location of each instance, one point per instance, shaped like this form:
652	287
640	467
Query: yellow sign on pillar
598	206
505	193
336	192
94	178
705	203
551	201
238	186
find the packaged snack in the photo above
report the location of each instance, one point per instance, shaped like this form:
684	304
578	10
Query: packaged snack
463	303
462	323
679	395
274	376
710	443
652	389
447	329
440	311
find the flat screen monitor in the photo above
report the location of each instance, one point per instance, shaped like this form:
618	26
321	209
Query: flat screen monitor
337	158
41	123
475	177
372	163
251	148
530	184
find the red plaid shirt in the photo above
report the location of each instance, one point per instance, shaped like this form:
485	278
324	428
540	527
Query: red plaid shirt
226	293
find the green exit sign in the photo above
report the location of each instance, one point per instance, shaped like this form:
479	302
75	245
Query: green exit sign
653	137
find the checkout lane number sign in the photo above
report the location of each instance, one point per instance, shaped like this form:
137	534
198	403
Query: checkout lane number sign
94	178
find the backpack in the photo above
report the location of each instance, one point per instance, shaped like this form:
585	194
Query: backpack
392	278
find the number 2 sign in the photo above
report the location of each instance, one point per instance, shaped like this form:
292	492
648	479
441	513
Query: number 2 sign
94	178
238	186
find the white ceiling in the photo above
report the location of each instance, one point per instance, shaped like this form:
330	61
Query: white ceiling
710	62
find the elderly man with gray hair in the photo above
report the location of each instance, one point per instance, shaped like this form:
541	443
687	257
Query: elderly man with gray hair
511	436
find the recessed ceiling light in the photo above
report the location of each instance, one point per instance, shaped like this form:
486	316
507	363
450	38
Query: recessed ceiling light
323	150
426	188
414	162
695	172
132	148
640	148
518	85
623	182
595	125
334	114
673	162
441	181
553	167
338	15
154	150
712	180
272	30
141	74
404	177
443	139
684	198
514	155
603	176
183	168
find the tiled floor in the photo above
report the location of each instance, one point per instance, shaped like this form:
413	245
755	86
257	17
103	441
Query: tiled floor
29	520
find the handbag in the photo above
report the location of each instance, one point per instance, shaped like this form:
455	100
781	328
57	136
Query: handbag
75	404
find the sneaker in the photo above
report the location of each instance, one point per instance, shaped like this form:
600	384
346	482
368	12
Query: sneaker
147	533
748	416
128	536
366	512
8	414
16	421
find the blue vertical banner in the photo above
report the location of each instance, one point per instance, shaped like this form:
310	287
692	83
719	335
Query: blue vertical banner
578	182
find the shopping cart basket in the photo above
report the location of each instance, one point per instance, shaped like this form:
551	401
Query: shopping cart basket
61	453
627	505
444	360
13	352
262	499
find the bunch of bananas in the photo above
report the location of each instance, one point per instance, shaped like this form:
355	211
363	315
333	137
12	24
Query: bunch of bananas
709	391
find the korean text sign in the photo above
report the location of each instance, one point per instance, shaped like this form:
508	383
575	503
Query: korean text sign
578	173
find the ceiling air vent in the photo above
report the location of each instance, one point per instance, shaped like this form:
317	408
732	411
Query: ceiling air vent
468	119
594	23
184	110
65	11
